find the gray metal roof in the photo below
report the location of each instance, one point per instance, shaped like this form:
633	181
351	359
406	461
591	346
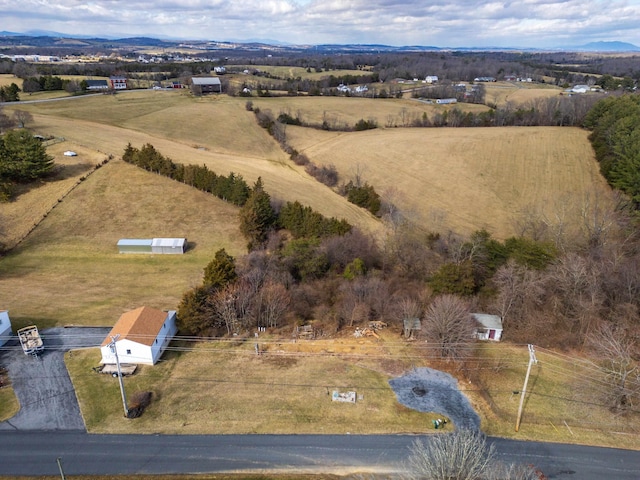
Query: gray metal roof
135	241
168	242
205	81
493	322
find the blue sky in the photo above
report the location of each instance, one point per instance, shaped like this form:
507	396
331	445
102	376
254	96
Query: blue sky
450	23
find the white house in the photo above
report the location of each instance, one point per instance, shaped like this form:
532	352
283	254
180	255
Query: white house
431	79
142	336
489	327
5	327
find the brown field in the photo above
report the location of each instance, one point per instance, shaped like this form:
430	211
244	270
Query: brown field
466	179
7	79
346	111
518	93
287	72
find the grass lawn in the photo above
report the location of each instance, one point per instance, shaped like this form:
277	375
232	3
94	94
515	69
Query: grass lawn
9	405
201	390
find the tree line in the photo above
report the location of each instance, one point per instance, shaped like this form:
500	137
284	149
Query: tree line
615	138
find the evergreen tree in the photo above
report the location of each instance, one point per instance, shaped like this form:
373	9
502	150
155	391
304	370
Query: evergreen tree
221	271
22	157
257	217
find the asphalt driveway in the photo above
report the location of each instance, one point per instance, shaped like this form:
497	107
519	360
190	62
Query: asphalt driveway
42	385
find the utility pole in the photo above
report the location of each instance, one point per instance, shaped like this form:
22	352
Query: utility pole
114	350
532	360
58	460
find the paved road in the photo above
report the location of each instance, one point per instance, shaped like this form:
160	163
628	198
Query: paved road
35	453
42	385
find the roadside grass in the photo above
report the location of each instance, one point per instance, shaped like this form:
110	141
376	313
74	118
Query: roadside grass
9	405
563	402
225	387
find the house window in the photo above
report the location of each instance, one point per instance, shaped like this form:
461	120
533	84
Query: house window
128	351
164	325
156	341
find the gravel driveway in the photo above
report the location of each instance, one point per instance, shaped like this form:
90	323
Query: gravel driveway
428	390
42	385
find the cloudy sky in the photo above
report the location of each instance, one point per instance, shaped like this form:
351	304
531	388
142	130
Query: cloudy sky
450	23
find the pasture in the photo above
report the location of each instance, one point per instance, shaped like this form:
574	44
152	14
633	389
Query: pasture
467	179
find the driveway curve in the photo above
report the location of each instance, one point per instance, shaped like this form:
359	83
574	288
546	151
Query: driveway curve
42	385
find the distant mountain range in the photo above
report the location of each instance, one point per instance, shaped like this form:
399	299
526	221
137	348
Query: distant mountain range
43	38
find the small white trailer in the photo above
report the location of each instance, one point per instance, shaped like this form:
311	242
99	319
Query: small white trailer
30	340
112	369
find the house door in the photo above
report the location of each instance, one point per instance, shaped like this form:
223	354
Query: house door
492	334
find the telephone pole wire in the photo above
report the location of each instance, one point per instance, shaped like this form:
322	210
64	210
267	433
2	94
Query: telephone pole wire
532	360
114	349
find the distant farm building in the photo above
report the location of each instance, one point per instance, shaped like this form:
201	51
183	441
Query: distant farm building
5	327
220	70
152	245
484	79
97	85
445	101
141	336
431	79
118	82
205	85
488	327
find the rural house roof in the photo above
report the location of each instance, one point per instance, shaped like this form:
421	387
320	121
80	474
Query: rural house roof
493	322
140	325
205	81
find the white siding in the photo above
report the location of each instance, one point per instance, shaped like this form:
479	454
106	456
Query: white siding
5	327
166	333
128	352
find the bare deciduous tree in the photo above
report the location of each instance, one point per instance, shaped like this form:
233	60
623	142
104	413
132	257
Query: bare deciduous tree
272	302
449	326
617	351
22	117
461	455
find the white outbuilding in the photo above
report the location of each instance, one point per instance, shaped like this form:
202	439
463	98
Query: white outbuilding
488	327
141	336
5	327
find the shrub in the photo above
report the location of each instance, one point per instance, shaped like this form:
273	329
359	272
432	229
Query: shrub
138	402
366	124
326	174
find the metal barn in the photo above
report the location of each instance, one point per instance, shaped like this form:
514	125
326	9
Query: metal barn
168	245
152	245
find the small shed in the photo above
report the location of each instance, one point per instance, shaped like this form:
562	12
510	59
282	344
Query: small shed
488	327
142	336
5	327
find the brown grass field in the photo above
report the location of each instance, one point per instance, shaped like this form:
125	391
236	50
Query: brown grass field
519	93
67	270
465	179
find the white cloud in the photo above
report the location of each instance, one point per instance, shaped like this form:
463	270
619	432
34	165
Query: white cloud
396	22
